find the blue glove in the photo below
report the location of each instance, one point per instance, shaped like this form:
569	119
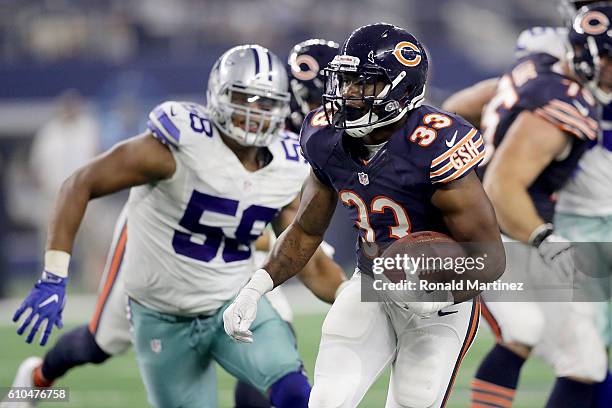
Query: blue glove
46	300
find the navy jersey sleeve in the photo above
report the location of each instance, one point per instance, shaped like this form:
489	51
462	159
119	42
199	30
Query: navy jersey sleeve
312	143
556	99
456	149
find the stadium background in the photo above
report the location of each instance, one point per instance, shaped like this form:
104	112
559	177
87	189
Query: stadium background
124	57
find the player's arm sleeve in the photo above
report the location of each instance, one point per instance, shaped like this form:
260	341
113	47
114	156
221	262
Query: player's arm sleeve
165	122
566	117
563	103
452	161
312	152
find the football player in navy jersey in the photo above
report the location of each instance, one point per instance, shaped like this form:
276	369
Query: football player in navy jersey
400	167
540	121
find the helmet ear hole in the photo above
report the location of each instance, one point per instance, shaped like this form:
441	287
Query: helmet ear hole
589	45
305	67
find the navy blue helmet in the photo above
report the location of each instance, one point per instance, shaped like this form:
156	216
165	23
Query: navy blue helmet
306	78
378	76
590	51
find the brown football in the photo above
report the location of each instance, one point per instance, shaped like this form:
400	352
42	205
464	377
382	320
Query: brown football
435	251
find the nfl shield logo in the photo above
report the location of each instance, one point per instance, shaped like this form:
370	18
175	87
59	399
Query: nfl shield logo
156	346
363	179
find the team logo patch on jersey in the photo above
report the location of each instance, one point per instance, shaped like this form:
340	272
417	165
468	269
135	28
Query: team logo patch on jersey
464	155
459	158
363	178
410	58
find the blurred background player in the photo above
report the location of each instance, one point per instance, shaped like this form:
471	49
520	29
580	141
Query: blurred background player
587	61
306	63
196	268
66	142
375	90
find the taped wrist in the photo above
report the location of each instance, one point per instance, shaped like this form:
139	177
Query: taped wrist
261	282
540	234
56	262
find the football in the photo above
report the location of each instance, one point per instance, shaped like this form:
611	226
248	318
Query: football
423	256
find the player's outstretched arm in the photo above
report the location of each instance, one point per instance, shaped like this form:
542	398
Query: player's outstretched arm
290	254
297	244
469	102
470	218
139	160
321	274
530	145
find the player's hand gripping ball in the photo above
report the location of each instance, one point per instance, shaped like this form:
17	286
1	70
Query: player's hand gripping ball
421	262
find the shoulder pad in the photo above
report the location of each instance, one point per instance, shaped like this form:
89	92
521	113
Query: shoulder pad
317	140
170	121
452	145
317	137
288	146
562	102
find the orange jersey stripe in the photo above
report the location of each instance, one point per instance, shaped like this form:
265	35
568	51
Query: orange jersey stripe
570	120
447	153
493	388
465	168
558	124
577	123
492	399
477	405
572	110
442	170
448	165
471	334
110	279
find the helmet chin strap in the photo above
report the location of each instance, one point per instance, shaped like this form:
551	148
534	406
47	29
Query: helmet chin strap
366	130
364	120
602	96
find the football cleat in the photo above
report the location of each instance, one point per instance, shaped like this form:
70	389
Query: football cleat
24	378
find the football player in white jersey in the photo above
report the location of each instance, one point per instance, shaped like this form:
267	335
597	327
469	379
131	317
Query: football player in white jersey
205	183
583	210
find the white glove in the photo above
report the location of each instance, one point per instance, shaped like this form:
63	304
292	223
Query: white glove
239	316
556	252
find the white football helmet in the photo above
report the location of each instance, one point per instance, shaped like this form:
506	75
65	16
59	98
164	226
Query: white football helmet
248	84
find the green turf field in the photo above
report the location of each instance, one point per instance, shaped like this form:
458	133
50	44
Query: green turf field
117	383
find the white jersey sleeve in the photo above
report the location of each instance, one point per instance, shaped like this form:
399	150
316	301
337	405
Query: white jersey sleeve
174	123
547	40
